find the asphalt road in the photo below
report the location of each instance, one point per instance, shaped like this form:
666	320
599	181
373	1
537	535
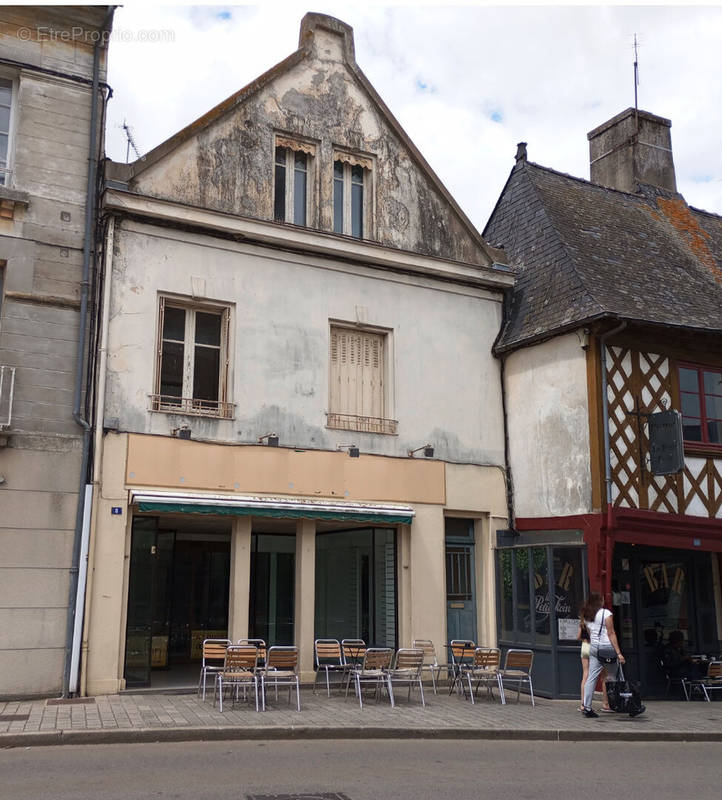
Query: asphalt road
365	770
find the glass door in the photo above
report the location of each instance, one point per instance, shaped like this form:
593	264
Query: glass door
148	624
273	578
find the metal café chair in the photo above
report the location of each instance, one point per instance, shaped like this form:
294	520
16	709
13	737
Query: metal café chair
710	683
353	651
517	670
484	671
406	671
328	656
430	661
281	669
373	671
260	644
213	654
239	671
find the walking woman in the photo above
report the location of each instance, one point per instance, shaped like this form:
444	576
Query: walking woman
583	636
602	644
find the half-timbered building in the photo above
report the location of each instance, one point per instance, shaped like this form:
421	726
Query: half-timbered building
616	316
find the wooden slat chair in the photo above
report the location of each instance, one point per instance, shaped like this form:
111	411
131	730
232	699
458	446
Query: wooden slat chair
260	644
239	670
372	671
281	669
484	671
517	670
461	654
430	661
712	682
353	651
406	671
328	656
213	654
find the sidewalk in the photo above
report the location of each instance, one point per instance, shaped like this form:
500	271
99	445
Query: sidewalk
166	717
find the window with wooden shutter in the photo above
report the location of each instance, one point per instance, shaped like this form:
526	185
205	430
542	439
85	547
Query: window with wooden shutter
192	359
357	381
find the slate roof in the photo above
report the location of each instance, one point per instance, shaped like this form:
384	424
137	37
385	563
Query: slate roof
584	252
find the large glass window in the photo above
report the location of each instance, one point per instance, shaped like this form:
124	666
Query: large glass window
356	586
701	395
541	588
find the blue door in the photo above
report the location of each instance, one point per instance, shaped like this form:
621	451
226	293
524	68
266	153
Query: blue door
460	584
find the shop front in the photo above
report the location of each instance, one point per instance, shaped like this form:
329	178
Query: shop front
541	585
194	540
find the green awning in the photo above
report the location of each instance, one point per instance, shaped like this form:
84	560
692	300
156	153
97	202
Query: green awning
276	507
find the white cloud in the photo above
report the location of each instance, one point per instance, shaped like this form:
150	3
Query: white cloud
466	82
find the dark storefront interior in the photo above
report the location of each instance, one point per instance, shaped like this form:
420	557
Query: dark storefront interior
655	593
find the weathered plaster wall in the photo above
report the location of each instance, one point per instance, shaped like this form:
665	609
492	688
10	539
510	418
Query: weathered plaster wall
548	422
228	165
444	383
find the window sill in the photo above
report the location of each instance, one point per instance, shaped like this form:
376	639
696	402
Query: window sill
703	449
354	422
191	407
9	199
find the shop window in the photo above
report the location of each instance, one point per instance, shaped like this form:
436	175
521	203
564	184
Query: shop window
700	391
292	187
193	359
358	389
351	184
356	595
541	589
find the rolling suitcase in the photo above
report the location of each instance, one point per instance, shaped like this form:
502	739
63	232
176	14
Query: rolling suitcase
624	696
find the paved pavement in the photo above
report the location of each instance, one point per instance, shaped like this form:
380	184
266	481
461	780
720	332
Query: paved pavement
184	717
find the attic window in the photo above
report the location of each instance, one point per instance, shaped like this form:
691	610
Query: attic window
292	180
352	176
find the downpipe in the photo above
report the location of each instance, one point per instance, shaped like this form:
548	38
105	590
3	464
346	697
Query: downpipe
82	519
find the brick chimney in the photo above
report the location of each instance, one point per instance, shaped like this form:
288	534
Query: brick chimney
633	147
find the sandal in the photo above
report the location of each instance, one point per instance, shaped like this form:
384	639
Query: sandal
607	710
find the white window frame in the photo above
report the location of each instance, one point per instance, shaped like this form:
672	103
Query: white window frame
223	408
344	419
6	173
292	147
366	162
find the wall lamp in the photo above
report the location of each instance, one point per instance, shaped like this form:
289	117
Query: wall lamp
271	439
427	448
184	432
353	451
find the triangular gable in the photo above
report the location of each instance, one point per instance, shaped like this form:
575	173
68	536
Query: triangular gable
318	95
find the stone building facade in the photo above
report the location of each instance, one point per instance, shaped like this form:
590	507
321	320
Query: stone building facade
50	132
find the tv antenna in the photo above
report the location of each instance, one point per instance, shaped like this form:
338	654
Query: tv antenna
636	72
131	142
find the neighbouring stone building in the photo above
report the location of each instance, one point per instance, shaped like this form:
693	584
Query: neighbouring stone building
300	431
616	316
50	141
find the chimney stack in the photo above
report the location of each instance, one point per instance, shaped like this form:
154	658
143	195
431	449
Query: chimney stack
632	148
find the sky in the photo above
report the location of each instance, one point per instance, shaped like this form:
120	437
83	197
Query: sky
466	82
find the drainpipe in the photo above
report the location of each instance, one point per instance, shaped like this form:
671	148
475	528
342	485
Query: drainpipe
74	620
605	419
98	435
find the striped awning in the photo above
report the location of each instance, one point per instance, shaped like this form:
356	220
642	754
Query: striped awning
278	507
